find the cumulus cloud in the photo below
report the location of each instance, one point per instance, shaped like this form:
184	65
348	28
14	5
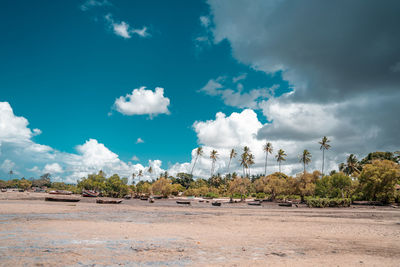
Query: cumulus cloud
236	97
88	4
52	168
142	101
16	144
139	141
122	28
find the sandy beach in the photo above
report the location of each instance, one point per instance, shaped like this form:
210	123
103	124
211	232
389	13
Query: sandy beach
137	233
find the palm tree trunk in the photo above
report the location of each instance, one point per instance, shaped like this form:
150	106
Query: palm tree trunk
229	164
279	166
323	159
194	164
266	162
304	168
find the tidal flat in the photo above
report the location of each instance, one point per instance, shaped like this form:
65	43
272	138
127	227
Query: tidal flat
138	233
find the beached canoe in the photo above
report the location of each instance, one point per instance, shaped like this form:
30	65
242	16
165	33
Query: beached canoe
60	192
287	204
108	201
218	204
183	202
157	197
90	193
62	199
254	203
144	198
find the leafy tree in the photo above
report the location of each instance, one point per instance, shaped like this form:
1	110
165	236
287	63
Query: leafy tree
213	157
377	180
352	166
199	153
305	158
337	185
232	155
143	188
306	183
183	179
115	187
162	186
281	156
324	146
239	186
379	156
275	184
268	149
94	182
24	184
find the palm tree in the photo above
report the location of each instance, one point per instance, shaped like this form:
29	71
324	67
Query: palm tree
199	153
250	161
351	166
213	157
280	157
243	162
150	170
324	146
231	156
267	149
133	178
11	173
305	158
140	174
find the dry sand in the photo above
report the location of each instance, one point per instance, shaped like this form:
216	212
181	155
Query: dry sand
136	233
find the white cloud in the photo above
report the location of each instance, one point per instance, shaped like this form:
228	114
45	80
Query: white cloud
7	165
134	158
142	101
52	168
94	3
123	29
236	97
139	141
205	21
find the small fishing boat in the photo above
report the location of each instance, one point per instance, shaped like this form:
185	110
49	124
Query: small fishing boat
286	204
62	199
183	202
218	204
144	198
128	197
254	203
157	197
90	193
3	190
108	201
60	192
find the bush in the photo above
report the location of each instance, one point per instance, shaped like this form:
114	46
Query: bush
211	194
261	195
327	202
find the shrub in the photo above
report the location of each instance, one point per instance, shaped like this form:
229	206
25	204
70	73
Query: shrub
211	194
327	202
261	195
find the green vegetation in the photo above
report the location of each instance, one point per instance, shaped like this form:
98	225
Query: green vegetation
374	178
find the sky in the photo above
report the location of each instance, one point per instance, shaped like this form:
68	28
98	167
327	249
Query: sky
123	85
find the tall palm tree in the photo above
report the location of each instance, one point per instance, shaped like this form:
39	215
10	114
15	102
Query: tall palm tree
199	153
140	174
231	156
305	158
150	170
250	161
11	173
324	146
133	178
213	157
280	157
268	149
243	162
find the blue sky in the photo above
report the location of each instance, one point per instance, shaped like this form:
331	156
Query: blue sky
63	65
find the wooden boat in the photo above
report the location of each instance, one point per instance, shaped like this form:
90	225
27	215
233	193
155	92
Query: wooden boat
286	204
218	204
60	192
3	190
144	198
183	202
108	201
151	200
90	193
157	197
201	200
254	203
62	199
128	197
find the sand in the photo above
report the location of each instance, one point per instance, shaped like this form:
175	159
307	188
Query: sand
137	233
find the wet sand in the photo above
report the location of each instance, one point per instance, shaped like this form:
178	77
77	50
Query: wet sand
137	233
